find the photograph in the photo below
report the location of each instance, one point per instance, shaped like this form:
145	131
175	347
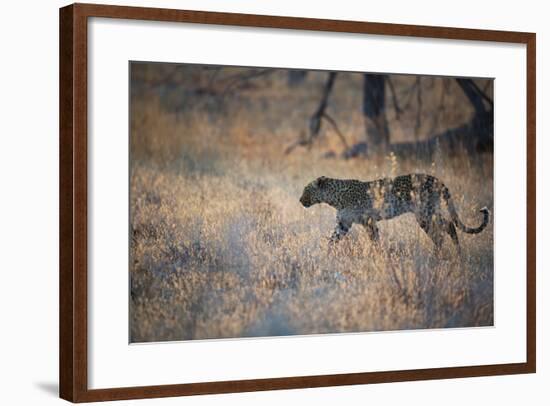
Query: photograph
270	202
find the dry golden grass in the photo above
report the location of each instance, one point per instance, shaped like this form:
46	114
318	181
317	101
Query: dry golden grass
221	246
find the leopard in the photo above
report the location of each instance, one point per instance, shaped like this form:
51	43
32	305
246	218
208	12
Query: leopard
367	203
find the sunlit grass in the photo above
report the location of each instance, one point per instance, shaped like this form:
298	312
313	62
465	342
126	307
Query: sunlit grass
234	254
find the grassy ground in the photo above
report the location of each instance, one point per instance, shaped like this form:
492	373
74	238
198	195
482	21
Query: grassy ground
221	246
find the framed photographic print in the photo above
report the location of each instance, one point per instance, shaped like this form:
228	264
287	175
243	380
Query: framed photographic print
256	202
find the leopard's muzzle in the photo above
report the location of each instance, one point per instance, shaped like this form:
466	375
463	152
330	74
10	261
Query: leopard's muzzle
306	202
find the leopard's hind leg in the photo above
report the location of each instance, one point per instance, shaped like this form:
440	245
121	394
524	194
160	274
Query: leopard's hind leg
451	230
433	225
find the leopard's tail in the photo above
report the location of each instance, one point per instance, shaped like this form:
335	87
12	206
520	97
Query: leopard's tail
456	219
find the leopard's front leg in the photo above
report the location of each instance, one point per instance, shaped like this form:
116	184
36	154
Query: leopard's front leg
342	228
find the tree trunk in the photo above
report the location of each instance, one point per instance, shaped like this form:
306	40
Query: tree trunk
473	137
374	112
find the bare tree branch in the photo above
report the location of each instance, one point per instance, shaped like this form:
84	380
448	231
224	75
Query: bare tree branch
302	141
315	120
333	123
483	94
473	93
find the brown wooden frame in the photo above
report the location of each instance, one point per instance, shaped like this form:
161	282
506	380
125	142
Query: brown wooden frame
73	362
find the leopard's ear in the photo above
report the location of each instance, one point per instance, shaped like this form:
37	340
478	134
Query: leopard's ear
321	182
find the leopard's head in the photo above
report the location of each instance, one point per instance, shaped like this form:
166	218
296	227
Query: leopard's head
314	192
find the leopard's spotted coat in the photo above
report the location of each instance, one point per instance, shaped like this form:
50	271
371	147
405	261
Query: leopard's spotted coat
366	203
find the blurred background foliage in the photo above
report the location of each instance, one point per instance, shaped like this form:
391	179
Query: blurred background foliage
366	114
